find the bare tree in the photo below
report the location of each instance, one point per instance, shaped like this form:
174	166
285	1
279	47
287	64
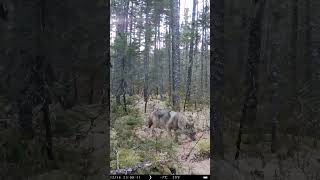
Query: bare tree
146	55
175	54
191	55
216	77
250	105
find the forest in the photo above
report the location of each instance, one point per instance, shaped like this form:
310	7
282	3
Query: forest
265	85
80	81
160	60
53	93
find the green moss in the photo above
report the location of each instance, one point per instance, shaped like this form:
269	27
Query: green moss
133	121
131	99
128	158
204	147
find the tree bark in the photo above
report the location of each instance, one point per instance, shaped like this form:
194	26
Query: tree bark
119	64
146	56
75	88
175	54
275	107
160	65
308	42
294	39
40	74
251	101
191	55
168	44
216	77
155	59
91	93
47	124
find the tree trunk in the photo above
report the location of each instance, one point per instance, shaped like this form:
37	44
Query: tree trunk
191	54
272	58
216	78
185	71
75	88
44	92
130	59
160	65
308	43
293	54
124	102
202	55
91	93
275	107
119	64
47	124
242	52
175	54
155	59
201	62
146	56
168	44
195	85
124	56
251	101
206	53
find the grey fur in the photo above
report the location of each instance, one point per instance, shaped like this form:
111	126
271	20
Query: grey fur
170	120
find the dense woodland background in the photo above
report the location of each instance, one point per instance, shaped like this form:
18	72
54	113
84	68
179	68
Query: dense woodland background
153	54
265	105
160	59
53	85
264	79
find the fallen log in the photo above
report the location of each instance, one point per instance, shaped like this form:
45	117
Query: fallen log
127	171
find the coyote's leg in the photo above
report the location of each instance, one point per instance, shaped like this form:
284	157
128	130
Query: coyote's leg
152	132
169	133
161	132
175	136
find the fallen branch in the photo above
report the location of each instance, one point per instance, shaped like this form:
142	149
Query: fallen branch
187	156
127	171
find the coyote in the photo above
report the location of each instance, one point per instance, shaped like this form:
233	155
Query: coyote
171	120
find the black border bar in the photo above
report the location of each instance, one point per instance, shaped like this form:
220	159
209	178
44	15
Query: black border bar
159	177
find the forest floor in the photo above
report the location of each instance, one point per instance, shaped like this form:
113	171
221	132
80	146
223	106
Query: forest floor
191	164
292	161
79	142
88	141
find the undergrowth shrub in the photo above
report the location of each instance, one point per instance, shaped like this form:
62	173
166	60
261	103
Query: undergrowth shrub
204	147
132	150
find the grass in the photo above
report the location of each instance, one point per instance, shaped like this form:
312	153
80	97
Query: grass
203	147
132	150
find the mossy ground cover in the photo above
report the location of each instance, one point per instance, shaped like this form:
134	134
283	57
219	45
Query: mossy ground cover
128	150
